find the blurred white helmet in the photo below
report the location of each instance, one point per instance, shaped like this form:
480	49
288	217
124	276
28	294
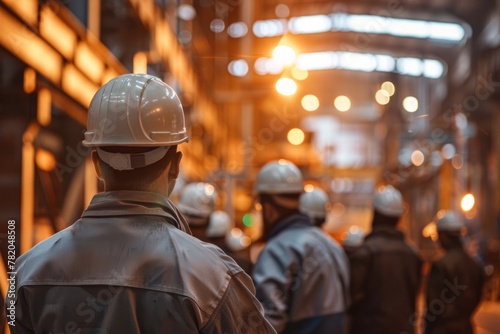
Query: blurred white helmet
388	201
237	241
219	224
135	110
279	177
353	237
314	203
449	221
198	199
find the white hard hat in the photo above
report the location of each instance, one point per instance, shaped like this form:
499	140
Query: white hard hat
219	224
135	110
198	199
448	221
353	237
279	177
314	203
388	201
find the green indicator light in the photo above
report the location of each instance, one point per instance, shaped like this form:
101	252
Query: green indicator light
247	220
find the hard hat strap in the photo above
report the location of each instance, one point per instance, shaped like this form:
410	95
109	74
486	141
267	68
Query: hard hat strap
129	161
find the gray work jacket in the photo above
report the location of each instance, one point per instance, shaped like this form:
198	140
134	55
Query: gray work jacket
302	279
127	266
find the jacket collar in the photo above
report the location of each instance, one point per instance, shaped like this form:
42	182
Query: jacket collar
287	222
135	203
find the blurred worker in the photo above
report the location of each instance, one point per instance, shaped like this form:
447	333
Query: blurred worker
352	240
129	264
301	275
197	202
385	272
314	204
455	282
218	232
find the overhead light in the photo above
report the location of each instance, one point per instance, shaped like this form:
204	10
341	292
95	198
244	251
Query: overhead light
217	25
237	29
342	103
410	104
295	136
366	62
238	68
388	87
382	97
433	68
310	102
410	66
186	12
369	24
317	60
467	202
310	24
357	61
286	86
385	63
284	54
269	28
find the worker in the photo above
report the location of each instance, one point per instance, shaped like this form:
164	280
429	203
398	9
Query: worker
197	202
455	282
219	232
314	204
352	240
130	265
385	272
301	275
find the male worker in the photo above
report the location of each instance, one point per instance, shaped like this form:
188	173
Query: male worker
385	272
455	282
129	264
219	233
301	276
314	204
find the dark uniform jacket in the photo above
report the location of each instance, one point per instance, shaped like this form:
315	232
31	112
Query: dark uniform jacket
385	278
302	279
128	266
454	290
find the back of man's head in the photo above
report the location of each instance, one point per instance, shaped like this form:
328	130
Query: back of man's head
135	122
280	184
315	204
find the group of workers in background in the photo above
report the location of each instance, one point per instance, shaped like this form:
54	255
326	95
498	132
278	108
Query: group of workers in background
138	263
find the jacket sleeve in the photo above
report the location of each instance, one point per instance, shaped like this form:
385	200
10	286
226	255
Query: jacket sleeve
273	275
239	311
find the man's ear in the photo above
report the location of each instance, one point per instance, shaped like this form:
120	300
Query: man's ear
95	162
174	170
